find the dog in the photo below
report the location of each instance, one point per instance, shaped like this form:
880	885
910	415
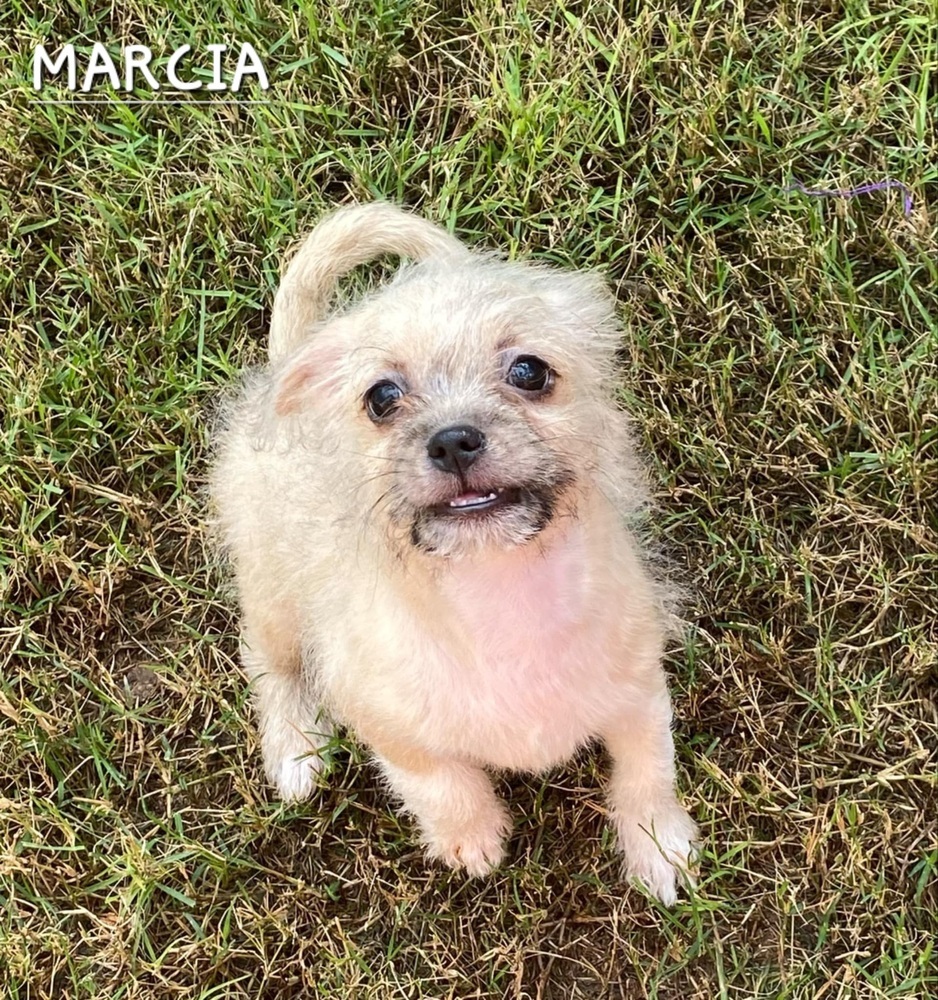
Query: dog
428	498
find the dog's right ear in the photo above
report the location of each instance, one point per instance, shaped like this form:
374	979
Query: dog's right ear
314	371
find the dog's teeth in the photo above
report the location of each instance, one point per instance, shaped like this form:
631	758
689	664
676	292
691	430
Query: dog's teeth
471	501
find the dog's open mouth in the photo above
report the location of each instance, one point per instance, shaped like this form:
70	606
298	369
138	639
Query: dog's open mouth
500	516
471	502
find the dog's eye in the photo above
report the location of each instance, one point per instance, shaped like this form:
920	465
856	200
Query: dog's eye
530	374
381	399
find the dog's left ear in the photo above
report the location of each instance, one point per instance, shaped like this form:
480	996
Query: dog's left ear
312	372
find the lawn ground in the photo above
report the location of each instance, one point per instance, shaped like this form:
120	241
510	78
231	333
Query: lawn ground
780	361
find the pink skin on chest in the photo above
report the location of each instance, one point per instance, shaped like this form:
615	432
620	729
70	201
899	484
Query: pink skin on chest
524	691
514	602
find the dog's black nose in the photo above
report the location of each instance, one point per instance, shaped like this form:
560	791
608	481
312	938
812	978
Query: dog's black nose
454	449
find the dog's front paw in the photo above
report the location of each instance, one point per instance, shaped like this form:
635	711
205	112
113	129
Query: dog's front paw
659	850
477	846
292	765
295	778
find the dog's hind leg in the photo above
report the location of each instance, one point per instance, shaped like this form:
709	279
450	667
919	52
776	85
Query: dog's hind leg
292	726
462	821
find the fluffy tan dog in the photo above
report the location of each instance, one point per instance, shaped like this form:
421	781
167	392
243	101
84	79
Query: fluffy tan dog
426	498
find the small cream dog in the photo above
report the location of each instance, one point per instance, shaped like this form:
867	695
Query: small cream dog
426	499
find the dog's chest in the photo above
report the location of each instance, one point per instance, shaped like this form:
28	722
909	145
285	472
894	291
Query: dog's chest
508	608
527	678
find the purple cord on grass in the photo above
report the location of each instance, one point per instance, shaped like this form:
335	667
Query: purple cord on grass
852	192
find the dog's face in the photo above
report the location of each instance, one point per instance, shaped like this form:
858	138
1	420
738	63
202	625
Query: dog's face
464	415
469	441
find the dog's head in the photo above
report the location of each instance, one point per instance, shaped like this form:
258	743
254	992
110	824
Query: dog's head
466	405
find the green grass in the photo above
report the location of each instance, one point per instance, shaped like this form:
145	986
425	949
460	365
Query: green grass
780	360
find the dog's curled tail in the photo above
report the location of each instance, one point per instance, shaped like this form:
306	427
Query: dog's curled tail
342	241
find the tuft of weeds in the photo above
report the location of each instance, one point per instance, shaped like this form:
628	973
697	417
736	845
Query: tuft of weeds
780	360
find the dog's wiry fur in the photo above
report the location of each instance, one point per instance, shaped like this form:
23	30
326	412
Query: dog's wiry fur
449	644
